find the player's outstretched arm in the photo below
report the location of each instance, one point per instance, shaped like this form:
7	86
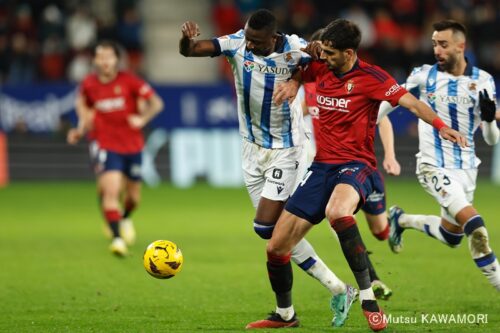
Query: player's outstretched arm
189	47
390	163
425	113
489	126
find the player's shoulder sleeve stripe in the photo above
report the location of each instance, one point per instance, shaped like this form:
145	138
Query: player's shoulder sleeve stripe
380	76
217	51
286	47
229	44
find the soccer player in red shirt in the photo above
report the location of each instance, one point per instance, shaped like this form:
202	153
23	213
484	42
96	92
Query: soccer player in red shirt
114	106
349	92
374	208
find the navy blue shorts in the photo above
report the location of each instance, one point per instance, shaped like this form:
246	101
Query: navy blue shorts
311	196
375	202
105	160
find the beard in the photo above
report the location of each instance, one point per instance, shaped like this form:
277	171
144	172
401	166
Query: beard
448	65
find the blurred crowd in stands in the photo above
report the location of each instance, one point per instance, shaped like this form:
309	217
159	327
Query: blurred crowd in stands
396	33
42	40
51	40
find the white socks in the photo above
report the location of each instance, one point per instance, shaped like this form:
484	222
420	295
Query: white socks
286	313
306	258
366	295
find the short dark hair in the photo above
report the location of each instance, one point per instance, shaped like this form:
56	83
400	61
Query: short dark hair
108	43
317	35
450	24
343	34
263	19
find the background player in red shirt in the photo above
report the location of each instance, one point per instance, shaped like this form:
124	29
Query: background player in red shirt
349	92
114	106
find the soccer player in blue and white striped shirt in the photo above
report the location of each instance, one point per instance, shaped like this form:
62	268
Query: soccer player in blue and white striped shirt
274	160
460	94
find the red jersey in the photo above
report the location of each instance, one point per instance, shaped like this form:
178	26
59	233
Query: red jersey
113	102
348	108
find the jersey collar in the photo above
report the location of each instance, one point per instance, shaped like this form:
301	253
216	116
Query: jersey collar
468	68
355	66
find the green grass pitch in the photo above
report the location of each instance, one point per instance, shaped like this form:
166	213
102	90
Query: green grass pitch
57	275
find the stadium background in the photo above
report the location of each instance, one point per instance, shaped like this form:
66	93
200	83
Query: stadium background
45	49
56	274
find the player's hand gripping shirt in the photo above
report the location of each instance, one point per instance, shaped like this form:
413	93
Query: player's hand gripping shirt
348	108
113	103
260	120
455	99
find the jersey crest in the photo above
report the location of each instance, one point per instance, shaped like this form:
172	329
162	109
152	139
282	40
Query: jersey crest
349	86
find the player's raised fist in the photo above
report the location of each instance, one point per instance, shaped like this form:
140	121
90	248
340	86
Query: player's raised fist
190	29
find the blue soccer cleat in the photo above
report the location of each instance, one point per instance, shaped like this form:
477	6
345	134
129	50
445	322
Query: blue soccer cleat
395	239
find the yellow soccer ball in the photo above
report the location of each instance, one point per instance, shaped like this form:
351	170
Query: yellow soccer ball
163	259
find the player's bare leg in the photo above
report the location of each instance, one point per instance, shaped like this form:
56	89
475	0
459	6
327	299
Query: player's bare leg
379	226
109	184
339	212
304	255
131	201
289	230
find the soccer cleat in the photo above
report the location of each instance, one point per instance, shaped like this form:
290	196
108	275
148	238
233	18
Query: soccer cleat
340	305
118	247
376	320
127	231
381	290
395	240
274	321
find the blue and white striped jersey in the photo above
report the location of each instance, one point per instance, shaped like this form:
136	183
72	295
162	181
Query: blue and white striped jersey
261	121
455	99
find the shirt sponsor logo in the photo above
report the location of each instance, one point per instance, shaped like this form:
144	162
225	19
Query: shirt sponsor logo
463	100
251	66
431	97
454	99
110	104
392	90
248	65
332	103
